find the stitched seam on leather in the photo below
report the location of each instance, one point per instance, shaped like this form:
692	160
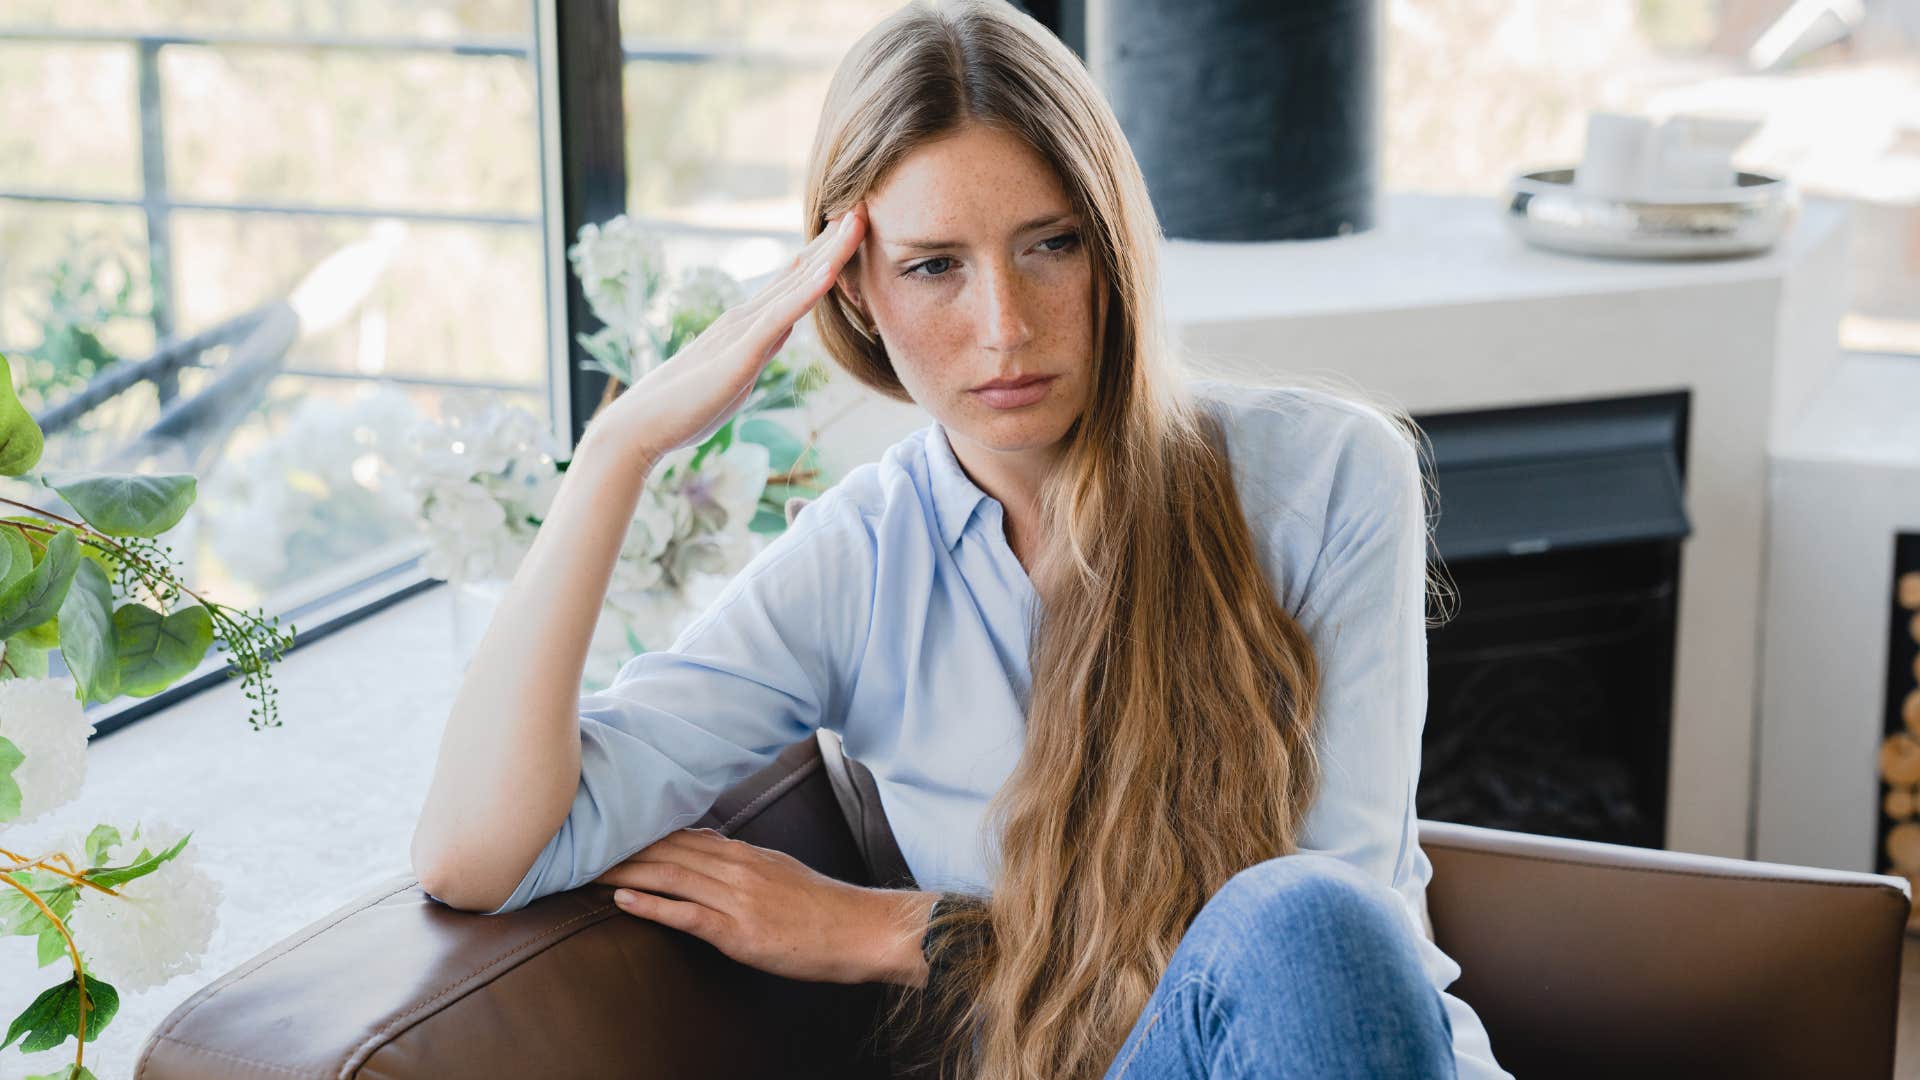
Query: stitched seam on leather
241	974
1668	871
871	819
781	787
753	783
267	1065
378	1038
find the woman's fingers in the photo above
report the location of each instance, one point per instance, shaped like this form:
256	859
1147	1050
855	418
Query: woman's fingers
820	240
766	320
786	307
810	248
697	919
831	249
805	262
842	238
709	840
677	879
713	376
742	321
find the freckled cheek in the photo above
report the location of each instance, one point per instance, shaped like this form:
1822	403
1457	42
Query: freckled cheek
1063	307
1067	300
923	326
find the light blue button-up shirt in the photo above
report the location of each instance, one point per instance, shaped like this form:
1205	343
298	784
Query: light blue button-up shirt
894	612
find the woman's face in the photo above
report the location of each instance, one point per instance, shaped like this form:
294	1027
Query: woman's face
973	270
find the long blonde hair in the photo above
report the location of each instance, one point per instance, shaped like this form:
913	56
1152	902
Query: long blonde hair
1169	736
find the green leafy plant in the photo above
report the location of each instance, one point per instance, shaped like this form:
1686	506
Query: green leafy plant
101	587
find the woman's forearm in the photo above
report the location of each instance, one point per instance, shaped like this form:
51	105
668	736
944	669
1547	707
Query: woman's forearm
509	760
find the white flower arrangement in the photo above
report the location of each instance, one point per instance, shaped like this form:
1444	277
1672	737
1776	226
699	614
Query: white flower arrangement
485	479
485	474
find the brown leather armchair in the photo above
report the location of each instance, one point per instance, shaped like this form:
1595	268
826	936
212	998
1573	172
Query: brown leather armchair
1583	959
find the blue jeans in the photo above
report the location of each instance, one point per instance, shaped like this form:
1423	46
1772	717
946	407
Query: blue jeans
1299	966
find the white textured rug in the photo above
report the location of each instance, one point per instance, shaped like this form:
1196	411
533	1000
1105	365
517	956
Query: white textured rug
291	821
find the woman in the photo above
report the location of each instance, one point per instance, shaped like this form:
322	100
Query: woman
1137	662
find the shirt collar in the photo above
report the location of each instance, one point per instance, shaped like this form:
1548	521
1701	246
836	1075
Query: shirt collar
955	495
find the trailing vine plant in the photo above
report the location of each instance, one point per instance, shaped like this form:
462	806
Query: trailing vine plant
106	591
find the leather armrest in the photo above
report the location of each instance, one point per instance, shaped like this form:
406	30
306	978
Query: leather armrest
1589	959
397	985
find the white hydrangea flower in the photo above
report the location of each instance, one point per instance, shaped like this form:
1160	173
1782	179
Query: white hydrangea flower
724	492
464	509
653	616
481	477
732	491
658	517
44	719
675	461
636	575
622	270
458	557
701	555
541	492
474	436
71	841
708	290
158	926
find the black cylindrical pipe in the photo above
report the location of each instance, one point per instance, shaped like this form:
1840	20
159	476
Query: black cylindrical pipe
1252	119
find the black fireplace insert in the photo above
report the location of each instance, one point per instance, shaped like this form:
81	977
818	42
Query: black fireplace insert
1550	688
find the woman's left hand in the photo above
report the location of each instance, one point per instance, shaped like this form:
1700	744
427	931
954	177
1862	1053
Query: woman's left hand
764	908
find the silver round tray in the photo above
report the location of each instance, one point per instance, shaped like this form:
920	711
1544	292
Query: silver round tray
1545	209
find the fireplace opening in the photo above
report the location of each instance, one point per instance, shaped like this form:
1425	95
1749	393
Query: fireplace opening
1550	690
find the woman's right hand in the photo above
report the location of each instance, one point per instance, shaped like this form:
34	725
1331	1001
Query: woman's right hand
685	400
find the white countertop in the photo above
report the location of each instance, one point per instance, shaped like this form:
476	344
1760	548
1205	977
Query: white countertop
1868	413
1432	250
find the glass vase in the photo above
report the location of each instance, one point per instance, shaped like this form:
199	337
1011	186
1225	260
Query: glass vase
471	605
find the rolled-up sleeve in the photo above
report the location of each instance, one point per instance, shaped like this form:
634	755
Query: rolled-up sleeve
1363	606
765	665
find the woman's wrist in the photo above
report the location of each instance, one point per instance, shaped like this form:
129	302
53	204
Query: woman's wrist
600	443
902	916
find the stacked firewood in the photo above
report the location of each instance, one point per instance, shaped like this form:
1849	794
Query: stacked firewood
1900	754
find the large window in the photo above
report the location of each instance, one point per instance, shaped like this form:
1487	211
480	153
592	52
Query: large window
289	230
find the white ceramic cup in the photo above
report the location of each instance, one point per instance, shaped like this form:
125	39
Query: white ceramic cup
1616	158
